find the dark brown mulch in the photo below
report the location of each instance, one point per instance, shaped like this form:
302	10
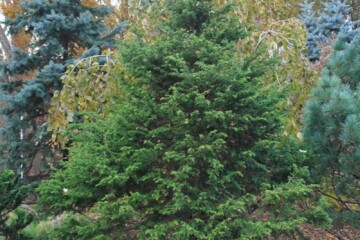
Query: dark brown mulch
345	233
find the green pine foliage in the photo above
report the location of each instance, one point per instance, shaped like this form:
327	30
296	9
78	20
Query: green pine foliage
59	29
12	218
193	152
331	128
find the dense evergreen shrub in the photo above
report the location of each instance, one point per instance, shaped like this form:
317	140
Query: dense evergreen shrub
193	151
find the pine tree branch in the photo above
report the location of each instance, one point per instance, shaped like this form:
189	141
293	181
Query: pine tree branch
338	199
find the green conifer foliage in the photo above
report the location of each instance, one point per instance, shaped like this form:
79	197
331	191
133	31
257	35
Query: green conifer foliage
189	153
59	29
331	128
11	196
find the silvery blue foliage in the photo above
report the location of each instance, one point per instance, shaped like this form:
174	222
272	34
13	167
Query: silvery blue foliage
313	29
333	18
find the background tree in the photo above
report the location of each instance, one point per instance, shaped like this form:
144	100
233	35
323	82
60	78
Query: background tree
9	8
59	30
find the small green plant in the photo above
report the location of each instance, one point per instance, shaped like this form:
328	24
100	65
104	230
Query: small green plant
38	230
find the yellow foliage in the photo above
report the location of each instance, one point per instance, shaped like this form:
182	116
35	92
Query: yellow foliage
88	87
274	25
90	3
117	15
10	9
